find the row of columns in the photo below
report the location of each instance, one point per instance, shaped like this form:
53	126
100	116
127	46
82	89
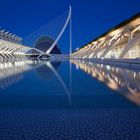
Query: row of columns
105	44
9	50
6	35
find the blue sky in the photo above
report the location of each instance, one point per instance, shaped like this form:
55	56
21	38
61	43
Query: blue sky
90	18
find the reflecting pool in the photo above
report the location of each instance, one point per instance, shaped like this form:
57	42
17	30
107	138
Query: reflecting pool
68	100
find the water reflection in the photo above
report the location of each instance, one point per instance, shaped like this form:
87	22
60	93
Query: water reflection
124	81
12	71
46	72
48	69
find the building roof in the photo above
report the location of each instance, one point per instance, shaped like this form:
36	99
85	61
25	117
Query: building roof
114	28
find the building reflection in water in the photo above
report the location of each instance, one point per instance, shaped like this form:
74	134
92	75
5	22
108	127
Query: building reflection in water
12	71
48	69
124	81
45	72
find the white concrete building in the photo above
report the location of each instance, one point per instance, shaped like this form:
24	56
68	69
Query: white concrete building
121	42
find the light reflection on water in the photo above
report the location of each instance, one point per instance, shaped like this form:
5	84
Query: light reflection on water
50	81
124	81
11	71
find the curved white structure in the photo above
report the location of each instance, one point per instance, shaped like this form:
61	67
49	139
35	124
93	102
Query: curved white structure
11	46
61	32
121	42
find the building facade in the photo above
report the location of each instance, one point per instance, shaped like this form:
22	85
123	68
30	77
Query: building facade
11	47
121	42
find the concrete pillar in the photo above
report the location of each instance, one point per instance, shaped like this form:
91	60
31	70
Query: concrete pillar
131	42
112	43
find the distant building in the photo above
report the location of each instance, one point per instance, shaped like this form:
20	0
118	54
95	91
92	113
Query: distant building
11	46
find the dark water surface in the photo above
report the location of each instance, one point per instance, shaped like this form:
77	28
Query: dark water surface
71	101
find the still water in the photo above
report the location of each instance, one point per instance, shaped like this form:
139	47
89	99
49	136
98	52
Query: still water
68	100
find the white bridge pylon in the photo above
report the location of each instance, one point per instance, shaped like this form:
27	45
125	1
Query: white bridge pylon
68	20
11	44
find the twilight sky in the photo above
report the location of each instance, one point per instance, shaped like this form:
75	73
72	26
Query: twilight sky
90	18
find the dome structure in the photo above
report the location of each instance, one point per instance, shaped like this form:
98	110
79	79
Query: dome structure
44	43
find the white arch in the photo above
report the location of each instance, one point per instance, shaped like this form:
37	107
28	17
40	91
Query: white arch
136	29
129	45
61	33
